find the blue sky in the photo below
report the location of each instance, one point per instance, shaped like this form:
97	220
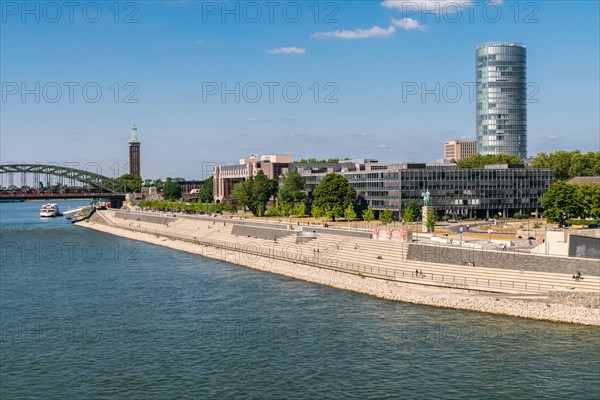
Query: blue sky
354	62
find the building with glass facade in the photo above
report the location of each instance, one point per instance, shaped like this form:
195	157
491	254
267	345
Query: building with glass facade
502	99
496	189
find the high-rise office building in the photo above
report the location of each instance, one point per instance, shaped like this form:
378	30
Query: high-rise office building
134	153
501	99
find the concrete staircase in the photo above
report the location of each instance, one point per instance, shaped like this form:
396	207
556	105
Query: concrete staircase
369	258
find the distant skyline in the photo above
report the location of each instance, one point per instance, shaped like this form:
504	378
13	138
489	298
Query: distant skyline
213	82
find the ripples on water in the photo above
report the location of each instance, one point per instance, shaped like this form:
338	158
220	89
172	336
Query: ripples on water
117	318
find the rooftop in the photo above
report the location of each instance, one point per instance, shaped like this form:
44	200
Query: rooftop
489	44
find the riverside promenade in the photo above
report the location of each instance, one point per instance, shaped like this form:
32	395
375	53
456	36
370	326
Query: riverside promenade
348	261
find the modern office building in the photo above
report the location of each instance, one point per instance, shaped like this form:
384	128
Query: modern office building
502	99
225	176
134	153
454	150
487	192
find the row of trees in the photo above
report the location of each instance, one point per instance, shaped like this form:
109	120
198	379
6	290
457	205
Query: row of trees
565	164
170	187
563	201
254	193
480	161
569	164
332	198
321	161
163	205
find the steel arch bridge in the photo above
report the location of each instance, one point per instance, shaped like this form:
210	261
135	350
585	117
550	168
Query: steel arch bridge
99	181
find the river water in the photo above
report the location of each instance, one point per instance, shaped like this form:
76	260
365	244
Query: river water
84	314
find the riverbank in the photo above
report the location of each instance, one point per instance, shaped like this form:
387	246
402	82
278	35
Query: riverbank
397	291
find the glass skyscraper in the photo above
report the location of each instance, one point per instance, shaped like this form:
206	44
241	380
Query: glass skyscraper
502	99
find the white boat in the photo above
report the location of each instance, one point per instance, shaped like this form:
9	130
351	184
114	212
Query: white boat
50	211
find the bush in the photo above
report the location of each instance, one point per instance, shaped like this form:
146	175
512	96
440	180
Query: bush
585	222
192	207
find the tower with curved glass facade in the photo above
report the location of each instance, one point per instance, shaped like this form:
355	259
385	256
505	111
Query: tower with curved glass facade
502	99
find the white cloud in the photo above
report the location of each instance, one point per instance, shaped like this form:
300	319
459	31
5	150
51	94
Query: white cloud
257	120
289	120
375	31
287	50
409	24
439	6
360	134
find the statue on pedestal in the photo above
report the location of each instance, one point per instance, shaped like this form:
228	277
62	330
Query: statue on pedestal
426	210
426	198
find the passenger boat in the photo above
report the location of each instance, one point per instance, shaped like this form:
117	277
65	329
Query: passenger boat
50	211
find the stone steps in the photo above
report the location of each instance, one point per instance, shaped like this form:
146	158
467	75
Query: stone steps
361	255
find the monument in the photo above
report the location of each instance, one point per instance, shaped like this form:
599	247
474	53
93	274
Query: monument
426	210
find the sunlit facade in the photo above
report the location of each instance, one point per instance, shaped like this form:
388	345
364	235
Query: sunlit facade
502	99
497	189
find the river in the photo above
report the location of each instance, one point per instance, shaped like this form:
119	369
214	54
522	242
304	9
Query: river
89	315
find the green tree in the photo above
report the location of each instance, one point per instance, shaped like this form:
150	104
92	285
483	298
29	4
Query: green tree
568	164
431	219
286	209
272	211
480	161
310	161
334	194
291	190
330	215
349	213
368	215
242	194
589	196
561	202
300	210
206	194
132	182
171	190
386	216
255	192
411	212
316	212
